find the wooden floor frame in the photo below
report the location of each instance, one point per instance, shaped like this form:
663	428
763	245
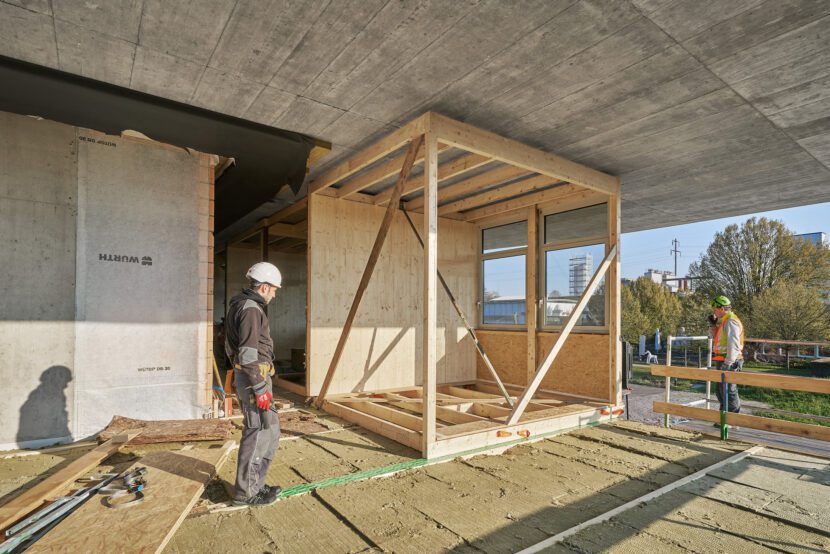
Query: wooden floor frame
466	416
484	177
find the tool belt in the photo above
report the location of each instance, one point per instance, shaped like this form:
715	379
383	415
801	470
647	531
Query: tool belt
265	368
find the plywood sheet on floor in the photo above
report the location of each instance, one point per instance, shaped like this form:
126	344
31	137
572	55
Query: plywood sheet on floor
174	482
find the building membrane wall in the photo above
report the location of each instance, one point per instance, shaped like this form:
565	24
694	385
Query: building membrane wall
103	312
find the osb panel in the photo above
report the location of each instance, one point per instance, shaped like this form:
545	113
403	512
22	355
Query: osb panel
582	366
384	347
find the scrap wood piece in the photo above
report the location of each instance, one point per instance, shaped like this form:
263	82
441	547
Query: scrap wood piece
175	481
170	430
55	484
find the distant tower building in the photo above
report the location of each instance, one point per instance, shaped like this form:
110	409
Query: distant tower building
815	238
581	268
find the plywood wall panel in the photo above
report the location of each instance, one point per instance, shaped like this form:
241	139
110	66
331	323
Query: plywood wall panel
383	350
582	366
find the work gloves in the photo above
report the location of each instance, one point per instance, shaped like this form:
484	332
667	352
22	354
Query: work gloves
263	396
713	320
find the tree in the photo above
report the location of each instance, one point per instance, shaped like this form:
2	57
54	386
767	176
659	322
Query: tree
694	309
634	323
742	262
646	307
791	311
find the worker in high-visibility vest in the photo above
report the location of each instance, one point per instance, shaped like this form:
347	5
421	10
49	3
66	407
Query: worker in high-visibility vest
728	347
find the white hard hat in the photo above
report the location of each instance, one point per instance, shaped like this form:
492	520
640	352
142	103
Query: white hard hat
263	272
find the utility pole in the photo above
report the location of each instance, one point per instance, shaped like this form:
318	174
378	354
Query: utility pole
675	243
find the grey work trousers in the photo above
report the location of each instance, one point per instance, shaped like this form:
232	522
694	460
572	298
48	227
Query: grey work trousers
731	389
258	445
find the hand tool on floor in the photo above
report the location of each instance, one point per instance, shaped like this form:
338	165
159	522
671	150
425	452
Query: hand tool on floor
460	312
35	526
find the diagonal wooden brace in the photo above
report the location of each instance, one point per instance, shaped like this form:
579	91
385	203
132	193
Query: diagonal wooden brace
458	310
534	384
385	225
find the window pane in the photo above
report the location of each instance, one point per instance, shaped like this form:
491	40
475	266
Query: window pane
577	224
504	291
567	273
504	237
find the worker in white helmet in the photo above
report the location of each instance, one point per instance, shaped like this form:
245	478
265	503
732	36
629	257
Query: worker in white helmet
250	348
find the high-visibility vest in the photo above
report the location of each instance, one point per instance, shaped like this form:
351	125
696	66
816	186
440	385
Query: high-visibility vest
719	342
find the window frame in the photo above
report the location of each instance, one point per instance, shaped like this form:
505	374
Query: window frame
482	257
545	247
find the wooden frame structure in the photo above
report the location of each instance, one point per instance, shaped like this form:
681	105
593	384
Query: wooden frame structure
447	171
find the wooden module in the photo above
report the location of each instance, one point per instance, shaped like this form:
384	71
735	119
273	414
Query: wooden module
379	318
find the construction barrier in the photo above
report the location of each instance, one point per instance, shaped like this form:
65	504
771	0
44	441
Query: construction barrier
804	384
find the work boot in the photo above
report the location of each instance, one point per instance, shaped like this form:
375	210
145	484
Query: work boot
274	489
265	497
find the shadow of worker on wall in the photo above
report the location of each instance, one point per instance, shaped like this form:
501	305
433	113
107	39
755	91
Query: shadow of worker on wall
44	414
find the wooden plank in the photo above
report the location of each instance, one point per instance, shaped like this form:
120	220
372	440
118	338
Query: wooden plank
819	432
445	171
175	481
563	193
500	193
786	382
370	154
389	430
614	315
531	284
471	427
376	174
389	414
168	430
467	393
56	484
445	414
493	177
528	393
370	267
462	135
430	297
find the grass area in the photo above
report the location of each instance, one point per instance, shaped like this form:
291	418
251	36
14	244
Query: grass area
791	401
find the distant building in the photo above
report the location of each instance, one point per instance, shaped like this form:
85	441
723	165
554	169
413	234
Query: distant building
505	310
670	281
580	271
815	238
665	278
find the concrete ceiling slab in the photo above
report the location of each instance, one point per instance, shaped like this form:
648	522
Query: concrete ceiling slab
685	100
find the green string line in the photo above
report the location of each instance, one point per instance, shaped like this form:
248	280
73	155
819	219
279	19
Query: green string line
411	464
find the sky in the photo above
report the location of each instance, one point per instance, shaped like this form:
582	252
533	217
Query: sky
645	250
